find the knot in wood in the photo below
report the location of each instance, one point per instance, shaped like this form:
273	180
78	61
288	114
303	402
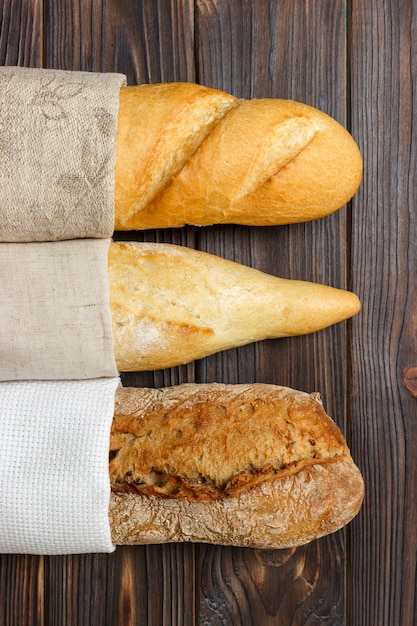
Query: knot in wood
410	379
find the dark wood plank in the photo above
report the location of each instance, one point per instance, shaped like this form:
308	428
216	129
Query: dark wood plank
21	33
21	577
153	42
149	41
154	39
75	586
150	585
280	49
251	587
22	600
384	229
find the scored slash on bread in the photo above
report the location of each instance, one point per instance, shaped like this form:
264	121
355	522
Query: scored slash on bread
171	305
159	127
251	464
188	154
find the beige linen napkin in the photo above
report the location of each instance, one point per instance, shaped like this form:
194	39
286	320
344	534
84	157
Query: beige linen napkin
57	153
54	311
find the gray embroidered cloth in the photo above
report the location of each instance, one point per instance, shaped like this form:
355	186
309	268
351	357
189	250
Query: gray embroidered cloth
57	153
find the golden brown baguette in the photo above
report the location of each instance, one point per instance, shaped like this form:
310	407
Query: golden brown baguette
171	305
188	154
247	465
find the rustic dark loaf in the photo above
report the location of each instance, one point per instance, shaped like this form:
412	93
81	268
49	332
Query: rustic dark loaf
246	465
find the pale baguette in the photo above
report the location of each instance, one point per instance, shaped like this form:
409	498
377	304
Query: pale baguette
171	305
188	154
245	465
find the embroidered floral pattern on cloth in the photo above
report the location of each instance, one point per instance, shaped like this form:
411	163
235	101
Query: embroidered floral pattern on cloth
57	153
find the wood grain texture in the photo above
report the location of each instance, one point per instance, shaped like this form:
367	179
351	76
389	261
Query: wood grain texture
22	591
156	36
383	74
22	598
74	588
21	33
250	587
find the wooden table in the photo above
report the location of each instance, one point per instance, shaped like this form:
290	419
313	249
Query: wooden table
356	61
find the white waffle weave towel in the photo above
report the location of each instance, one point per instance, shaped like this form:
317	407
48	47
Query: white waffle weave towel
54	479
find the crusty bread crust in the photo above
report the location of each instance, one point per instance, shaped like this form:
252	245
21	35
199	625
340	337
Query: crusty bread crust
171	305
159	128
187	154
252	465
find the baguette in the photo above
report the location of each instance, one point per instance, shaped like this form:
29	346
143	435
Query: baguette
188	154
171	305
255	465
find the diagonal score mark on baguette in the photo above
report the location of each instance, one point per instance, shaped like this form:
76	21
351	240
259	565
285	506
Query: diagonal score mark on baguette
279	147
160	128
181	137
